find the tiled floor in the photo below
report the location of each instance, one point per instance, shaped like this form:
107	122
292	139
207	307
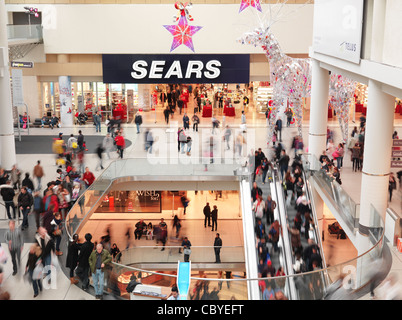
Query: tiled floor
230	228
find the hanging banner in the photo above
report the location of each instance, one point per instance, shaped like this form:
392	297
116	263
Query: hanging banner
66	115
338	26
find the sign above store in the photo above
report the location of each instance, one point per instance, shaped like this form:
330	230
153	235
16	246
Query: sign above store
20	64
176	68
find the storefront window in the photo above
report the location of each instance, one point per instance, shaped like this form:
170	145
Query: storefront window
141	201
90	96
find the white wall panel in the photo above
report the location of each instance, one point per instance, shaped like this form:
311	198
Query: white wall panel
393	34
138	28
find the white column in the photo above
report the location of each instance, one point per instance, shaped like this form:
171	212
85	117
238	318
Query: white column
7	142
318	110
376	159
377	30
66	107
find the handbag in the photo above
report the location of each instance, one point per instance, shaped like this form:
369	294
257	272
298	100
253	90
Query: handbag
187	251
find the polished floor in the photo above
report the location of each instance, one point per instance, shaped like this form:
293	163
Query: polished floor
230	229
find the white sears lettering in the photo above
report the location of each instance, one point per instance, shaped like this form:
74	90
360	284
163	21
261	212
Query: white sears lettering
156	66
175	70
213	72
194	66
139	72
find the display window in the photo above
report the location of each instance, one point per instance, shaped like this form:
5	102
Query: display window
141	201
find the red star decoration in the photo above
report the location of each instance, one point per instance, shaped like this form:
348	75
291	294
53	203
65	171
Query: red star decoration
182	33
246	3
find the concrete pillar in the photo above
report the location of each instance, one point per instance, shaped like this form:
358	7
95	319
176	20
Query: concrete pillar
7	142
318	110
376	160
66	109
63	58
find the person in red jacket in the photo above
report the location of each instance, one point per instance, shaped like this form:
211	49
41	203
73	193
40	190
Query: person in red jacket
120	143
88	177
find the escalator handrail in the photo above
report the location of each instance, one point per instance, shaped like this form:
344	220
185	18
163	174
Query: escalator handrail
285	234
317	237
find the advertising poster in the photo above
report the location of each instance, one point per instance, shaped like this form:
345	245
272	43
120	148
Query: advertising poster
66	115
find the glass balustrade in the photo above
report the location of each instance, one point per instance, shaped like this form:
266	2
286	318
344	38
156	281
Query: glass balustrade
22	32
345	205
145	167
346	280
352	275
171	254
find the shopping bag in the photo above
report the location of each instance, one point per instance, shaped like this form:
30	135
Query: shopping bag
38	272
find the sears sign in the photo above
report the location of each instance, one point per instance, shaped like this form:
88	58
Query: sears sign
176	68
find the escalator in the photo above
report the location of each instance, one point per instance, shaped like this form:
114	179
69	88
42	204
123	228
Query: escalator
306	237
279	258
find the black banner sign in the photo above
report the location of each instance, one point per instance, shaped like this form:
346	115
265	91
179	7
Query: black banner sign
176	68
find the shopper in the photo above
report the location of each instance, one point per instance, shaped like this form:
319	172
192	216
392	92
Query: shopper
166	113
88	177
356	157
57	230
98	259
255	191
214	217
186	121
186	244
243	121
140	226
120	144
99	152
97	121
80	141
72	257
270	207
34	259
217	248
196	121
163	232
82	270
274	232
391	185
15	241
177	226
46	243
207	215
226	136
138	121
15	176
283	163
25	202
107	144
174	294
278	125
8	194
38	173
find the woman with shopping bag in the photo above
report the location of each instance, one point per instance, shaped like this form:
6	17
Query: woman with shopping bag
34	268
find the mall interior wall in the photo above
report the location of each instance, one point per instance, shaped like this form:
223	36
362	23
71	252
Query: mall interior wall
82	29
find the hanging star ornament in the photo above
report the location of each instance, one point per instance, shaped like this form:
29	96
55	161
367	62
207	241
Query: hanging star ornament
254	3
182	32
